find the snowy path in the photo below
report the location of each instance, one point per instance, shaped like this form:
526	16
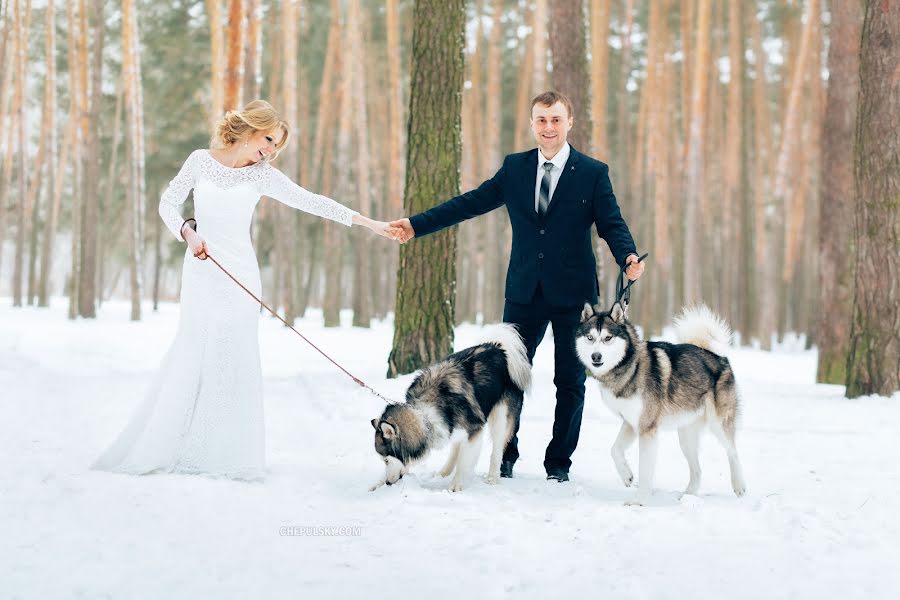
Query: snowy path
820	519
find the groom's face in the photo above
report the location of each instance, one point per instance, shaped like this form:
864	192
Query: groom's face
551	125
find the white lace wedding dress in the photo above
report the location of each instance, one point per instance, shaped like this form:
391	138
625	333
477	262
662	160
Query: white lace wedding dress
203	412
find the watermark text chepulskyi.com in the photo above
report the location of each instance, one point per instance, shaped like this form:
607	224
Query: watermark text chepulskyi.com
320	531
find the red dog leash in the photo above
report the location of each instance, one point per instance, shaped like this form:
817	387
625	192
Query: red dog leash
358	381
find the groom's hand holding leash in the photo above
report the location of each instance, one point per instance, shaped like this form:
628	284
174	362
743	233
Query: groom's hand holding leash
635	268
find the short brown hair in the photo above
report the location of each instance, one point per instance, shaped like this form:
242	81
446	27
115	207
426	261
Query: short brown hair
550	98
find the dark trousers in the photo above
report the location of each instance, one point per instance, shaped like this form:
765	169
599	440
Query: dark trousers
532	320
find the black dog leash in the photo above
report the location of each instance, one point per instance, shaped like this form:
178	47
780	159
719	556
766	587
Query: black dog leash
623	291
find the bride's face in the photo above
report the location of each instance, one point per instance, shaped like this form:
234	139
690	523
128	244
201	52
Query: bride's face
263	143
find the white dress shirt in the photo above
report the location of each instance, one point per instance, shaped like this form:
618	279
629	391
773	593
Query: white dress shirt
559	163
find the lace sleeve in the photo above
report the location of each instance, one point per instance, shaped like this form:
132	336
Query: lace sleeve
175	194
279	186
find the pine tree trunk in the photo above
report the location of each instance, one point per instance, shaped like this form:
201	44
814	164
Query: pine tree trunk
53	172
423	329
734	164
600	16
234	72
78	64
570	70
87	288
23	17
873	363
694	191
525	90
332	95
253	51
217	58
837	194
289	159
362	288
131	68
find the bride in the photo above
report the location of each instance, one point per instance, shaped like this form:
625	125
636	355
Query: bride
203	412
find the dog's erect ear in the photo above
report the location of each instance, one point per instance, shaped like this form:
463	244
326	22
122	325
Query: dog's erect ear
388	431
587	312
375	424
618	313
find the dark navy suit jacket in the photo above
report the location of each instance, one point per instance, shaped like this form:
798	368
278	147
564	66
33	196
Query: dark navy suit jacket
555	251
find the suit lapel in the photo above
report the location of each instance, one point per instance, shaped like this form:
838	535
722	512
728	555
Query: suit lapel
529	181
564	185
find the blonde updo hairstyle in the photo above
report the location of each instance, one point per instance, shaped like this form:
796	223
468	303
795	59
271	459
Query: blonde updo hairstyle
238	125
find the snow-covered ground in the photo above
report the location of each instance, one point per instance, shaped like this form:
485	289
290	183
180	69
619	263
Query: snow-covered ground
820	519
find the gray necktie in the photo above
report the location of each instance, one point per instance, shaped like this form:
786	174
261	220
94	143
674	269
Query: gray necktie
544	194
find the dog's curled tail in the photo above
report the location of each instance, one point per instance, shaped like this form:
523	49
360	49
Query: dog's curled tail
507	337
702	327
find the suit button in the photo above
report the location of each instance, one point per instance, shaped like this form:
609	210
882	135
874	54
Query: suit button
541	255
542	232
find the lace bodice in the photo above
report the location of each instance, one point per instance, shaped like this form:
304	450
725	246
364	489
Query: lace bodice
263	180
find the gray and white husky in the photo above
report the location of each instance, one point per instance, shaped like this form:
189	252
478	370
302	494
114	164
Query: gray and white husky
450	402
652	385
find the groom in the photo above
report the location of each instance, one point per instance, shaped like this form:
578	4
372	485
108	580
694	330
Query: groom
554	195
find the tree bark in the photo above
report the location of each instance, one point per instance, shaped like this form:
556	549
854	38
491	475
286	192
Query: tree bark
234	72
131	68
362	288
423	329
217	59
873	363
600	16
838	193
695	166
87	288
570	70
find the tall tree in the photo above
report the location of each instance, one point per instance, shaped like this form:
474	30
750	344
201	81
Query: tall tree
234	63
131	71
362	292
87	287
217	62
570	69
734	161
423	330
838	194
873	363
23	17
600	17
696	135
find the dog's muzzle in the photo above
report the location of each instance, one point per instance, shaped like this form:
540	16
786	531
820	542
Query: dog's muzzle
596	359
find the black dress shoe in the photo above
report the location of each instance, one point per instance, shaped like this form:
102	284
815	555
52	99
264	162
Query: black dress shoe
557	475
506	469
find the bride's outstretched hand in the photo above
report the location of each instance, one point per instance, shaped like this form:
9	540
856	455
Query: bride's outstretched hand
382	228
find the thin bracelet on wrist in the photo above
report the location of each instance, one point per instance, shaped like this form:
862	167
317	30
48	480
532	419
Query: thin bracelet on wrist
192	223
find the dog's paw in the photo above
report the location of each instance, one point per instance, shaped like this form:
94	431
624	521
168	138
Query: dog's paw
457	486
492	479
445	472
637	500
628	481
740	489
375	486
